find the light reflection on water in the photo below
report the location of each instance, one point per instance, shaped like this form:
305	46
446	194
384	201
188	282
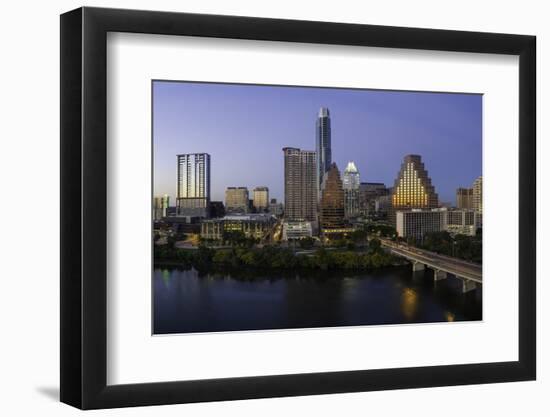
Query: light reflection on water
186	301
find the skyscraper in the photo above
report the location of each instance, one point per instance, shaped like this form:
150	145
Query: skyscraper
350	183
413	188
464	198
332	201
478	194
193	190
301	187
323	145
261	198
236	199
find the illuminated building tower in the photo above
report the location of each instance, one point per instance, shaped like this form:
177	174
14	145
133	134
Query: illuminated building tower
332	201
261	198
193	191
478	194
323	146
351	184
300	185
413	188
464	198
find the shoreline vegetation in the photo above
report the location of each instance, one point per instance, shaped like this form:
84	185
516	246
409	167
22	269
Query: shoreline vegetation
275	258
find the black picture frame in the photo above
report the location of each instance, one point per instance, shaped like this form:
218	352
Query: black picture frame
84	207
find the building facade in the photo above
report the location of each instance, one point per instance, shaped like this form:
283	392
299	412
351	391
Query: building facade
276	208
332	212
193	188
368	193
463	221
257	226
297	230
350	183
160	207
465	198
323	146
236	200
301	189
478	194
416	223
260	196
413	188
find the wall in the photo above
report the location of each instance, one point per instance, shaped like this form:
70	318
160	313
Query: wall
29	173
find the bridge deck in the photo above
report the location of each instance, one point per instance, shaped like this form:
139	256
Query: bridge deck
458	267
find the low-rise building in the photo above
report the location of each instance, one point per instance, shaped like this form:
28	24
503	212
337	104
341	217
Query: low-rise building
416	223
297	230
255	226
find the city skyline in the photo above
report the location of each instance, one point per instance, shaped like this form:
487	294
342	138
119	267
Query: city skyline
250	124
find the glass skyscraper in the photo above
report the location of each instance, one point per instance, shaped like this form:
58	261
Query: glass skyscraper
323	146
193	191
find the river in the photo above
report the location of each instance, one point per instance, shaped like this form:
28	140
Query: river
188	302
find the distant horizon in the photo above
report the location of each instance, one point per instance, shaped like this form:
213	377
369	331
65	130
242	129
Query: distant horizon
245	127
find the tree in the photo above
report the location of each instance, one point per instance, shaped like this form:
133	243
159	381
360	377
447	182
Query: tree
306	242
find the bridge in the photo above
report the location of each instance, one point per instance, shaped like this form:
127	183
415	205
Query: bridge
469	273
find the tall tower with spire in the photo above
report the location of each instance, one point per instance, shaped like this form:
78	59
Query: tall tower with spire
351	183
323	146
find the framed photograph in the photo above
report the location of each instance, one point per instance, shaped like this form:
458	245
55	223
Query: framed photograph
258	208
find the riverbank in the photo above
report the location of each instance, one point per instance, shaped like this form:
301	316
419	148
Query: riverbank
276	258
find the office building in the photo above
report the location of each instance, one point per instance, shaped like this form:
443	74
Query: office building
293	230
465	198
300	184
413	187
275	208
368	193
415	223
236	200
160	207
257	226
193	188
478	194
217	209
463	221
260	198
323	146
332	201
350	183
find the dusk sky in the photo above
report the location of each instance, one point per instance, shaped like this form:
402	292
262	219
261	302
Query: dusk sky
245	127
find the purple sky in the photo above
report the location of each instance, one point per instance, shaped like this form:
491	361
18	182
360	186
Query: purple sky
245	127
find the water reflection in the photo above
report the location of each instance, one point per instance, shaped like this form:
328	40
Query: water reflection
409	303
189	301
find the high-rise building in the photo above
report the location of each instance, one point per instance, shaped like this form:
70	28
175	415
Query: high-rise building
332	201
464	198
236	200
413	187
300	184
160	206
193	190
261	198
323	146
478	194
368	193
350	183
